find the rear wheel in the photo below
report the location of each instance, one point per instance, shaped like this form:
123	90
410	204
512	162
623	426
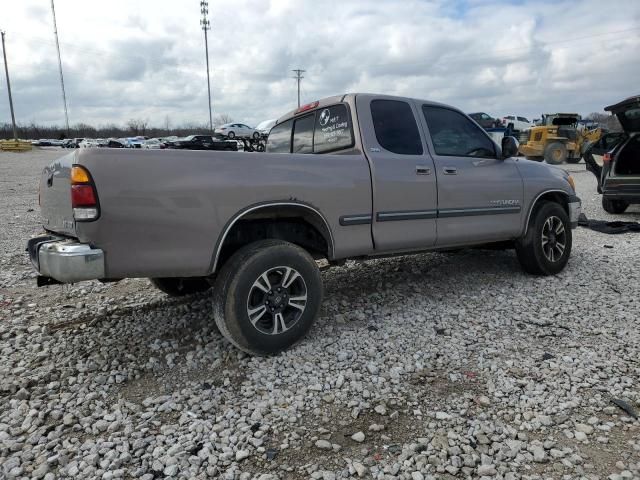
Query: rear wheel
546	247
267	296
614	206
231	135
256	135
555	153
179	287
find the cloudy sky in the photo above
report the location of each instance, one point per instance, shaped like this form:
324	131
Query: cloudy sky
144	59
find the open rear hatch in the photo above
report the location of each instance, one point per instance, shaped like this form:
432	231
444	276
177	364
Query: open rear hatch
55	197
628	113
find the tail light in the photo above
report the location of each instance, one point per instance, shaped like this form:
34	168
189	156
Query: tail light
84	198
606	158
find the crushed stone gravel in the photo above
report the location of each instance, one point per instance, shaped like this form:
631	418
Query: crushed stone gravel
420	367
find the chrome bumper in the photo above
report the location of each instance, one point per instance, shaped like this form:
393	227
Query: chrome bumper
575	209
65	260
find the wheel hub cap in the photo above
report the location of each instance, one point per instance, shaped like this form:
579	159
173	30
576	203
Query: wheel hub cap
554	239
277	300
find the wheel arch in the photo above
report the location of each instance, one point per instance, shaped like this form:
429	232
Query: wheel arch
558	196
276	212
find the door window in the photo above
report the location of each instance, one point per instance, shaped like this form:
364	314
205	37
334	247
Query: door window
279	140
395	127
453	134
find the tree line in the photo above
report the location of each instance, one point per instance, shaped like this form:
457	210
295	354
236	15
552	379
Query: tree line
132	128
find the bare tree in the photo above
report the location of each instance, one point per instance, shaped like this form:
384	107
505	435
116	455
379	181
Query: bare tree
221	119
610	122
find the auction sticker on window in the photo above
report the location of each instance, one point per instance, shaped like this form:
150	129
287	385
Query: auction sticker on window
333	130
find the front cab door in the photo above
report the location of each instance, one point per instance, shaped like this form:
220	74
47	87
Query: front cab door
479	194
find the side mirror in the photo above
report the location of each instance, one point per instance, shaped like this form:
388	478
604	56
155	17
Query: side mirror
509	147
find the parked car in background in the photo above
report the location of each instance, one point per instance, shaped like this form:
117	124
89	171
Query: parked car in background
239	130
351	176
485	120
618	171
153	144
265	127
516	122
203	142
114	143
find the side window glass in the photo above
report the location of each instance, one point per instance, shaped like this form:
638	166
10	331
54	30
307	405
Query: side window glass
332	129
303	134
522	119
395	127
454	134
279	140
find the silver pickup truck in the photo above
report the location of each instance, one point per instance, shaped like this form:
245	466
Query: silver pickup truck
350	176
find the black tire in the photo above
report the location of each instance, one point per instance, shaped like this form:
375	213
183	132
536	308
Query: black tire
534	255
256	135
236	293
231	135
535	159
614	207
555	153
179	287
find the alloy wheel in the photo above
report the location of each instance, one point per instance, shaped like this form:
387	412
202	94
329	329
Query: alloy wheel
554	239
277	300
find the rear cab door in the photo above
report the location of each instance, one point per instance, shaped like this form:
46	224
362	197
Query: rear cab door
479	194
402	171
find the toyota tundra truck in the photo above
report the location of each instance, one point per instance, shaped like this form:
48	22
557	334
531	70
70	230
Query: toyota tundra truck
352	176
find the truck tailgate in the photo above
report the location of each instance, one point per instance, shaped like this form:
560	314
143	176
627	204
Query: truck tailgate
55	196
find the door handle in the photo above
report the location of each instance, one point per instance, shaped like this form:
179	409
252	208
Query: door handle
423	170
450	170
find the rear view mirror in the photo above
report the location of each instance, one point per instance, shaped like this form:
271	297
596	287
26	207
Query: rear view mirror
509	147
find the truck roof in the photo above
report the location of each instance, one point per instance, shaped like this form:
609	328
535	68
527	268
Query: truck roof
325	102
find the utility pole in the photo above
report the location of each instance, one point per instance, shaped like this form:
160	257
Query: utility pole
64	95
298	77
204	23
6	71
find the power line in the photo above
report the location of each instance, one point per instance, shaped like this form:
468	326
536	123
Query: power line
206	25
6	71
64	95
298	77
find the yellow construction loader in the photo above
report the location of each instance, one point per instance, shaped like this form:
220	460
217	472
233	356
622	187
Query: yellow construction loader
558	138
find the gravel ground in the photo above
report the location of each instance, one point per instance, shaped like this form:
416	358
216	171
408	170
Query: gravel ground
429	366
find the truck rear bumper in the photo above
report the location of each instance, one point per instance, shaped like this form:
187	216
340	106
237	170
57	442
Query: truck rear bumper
65	260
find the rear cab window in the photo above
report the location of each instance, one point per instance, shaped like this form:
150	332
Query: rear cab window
324	130
395	127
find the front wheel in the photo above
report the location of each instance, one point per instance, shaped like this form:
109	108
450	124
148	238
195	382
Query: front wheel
614	207
546	247
267	296
256	135
555	153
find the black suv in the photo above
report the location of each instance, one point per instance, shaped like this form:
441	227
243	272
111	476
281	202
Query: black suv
615	159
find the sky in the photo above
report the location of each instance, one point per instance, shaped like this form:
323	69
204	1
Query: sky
145	59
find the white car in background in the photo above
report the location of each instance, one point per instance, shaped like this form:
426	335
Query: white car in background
153	144
236	130
265	127
516	122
